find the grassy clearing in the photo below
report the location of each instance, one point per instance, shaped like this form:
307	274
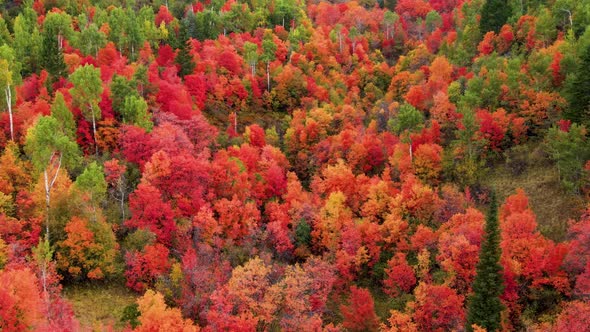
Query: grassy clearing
99	304
552	205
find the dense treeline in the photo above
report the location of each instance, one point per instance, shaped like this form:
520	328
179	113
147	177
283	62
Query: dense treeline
289	165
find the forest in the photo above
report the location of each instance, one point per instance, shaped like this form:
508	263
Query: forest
295	165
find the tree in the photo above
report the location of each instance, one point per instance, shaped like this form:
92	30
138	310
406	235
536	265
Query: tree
115	177
150	211
5	36
389	20
91	39
49	147
56	27
156	316
400	322
93	182
86	94
408	120
63	115
360	315
433	20
145	267
577	88
20	302
89	250
268	54
42	255
574	317
251	55
494	15
184	58
135	111
468	149
207	24
485	305
27	41
400	275
6	82
284	13
121	88
437	308
9	75
570	150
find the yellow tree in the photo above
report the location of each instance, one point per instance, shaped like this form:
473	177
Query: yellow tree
156	316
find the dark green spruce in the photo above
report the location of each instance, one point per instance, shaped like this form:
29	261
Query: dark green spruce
494	15
484	306
184	59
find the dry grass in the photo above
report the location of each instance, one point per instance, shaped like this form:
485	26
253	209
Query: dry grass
552	205
99	305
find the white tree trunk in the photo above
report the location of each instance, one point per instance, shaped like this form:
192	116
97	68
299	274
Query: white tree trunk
44	277
48	185
94	130
9	106
47	203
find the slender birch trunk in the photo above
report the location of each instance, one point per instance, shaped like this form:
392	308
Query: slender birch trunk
8	94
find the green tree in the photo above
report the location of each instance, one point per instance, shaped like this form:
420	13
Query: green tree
269	49
92	181
494	15
251	55
433	20
121	88
389	20
238	19
184	58
63	115
86	94
134	34
546	26
42	255
207	25
570	150
9	75
466	166
285	11
485	306
27	41
135	111
116	21
56	28
49	148
354	35
573	14
336	33
408	120
5	37
90	40
578	87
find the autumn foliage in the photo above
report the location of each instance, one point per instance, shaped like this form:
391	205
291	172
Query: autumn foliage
293	165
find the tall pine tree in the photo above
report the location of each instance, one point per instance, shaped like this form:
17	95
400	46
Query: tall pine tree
184	59
484	304
494	15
